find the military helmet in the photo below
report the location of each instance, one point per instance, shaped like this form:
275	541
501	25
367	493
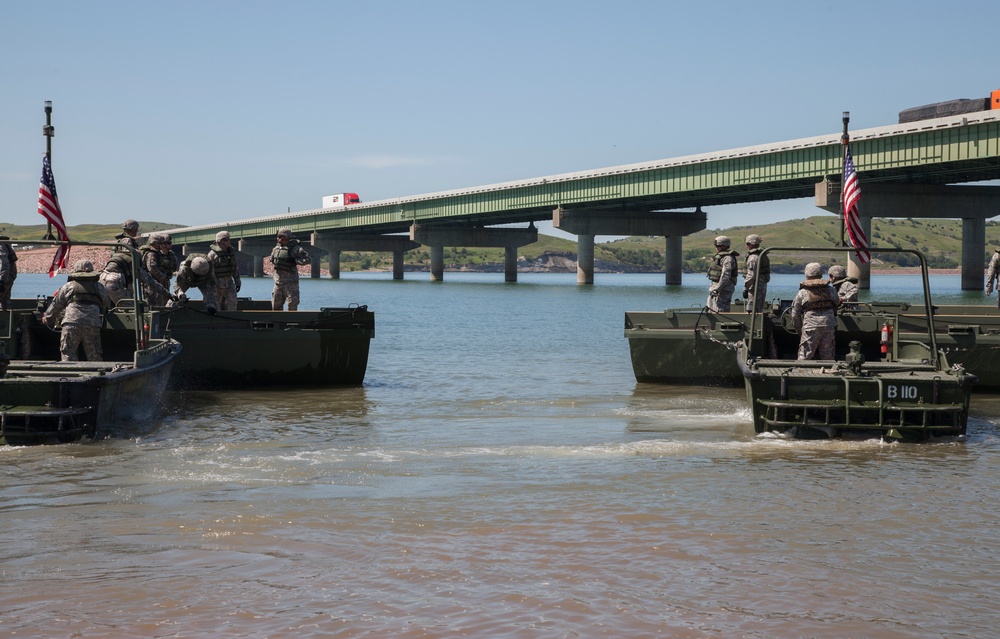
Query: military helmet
83	266
221	235
155	238
837	272
130	225
285	233
753	239
723	241
814	270
200	266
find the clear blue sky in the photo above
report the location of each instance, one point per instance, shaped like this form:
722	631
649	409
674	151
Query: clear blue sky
199	112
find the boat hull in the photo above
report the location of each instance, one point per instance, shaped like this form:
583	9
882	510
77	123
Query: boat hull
694	346
255	346
49	401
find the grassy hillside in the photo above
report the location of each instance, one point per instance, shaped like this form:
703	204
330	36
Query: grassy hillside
81	232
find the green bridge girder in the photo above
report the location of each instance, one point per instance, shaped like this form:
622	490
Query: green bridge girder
952	150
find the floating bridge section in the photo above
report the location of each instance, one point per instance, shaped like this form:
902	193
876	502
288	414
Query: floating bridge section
898	165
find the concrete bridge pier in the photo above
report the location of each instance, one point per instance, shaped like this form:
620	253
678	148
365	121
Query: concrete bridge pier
674	260
258	250
973	204
335	244
316	255
628	220
439	236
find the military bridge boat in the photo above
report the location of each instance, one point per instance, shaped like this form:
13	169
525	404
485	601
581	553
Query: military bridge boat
44	400
255	346
889	374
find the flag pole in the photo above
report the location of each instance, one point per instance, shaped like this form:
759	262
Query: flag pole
845	140
48	131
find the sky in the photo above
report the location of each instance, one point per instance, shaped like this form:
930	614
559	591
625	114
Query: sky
197	112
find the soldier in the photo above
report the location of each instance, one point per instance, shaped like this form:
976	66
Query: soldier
814	314
117	278
847	287
723	274
8	271
78	306
196	272
755	263
992	274
227	271
130	228
286	257
153	262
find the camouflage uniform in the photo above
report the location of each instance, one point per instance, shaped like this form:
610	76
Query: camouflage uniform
227	271
117	279
127	237
79	303
723	274
992	274
286	259
756	262
189	277
814	315
847	289
158	264
8	272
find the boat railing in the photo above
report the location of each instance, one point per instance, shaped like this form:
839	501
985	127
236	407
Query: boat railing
758	316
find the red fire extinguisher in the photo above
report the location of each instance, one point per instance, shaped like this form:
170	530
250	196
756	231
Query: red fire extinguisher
886	337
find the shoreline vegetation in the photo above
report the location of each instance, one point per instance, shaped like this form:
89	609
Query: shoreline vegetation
938	239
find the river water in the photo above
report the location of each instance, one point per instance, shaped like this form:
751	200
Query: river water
500	474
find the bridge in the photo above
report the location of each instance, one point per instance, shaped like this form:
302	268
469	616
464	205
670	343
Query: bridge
917	169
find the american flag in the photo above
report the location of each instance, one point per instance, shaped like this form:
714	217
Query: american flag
48	207
851	198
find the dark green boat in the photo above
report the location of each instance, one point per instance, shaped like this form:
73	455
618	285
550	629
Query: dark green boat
694	346
903	386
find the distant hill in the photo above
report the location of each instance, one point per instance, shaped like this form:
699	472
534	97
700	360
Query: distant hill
81	232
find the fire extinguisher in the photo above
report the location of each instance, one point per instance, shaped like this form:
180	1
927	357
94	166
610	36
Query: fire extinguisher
886	337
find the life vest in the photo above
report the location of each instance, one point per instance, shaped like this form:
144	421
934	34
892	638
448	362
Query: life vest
85	289
715	270
165	262
125	240
225	263
282	258
123	260
819	298
763	265
193	279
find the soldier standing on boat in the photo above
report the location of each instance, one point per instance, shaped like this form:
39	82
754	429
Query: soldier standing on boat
196	272
130	229
847	287
755	263
78	307
993	274
227	270
814	315
286	258
722	273
157	265
8	271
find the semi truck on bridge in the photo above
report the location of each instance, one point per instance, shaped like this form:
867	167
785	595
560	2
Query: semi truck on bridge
340	200
951	107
